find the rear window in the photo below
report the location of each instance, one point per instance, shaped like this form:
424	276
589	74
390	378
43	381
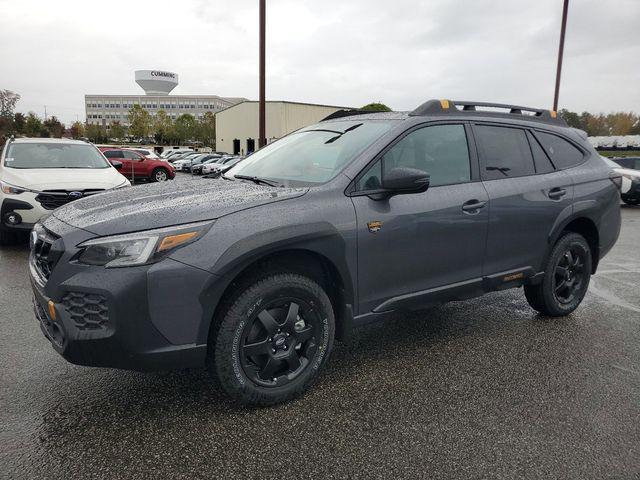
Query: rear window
542	162
562	153
505	152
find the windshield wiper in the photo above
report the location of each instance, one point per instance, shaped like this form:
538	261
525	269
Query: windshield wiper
333	139
259	180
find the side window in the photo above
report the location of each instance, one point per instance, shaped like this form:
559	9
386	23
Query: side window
113	154
561	152
504	152
542	162
131	156
439	150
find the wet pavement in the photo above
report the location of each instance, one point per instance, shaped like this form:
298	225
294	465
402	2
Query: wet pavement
476	389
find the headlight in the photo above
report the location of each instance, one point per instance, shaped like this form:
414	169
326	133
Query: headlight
12	189
139	248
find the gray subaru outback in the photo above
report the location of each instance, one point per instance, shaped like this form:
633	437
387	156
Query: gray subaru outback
334	226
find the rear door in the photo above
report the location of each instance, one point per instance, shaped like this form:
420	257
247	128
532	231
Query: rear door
409	245
527	195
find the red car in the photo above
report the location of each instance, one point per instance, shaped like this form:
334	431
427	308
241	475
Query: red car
138	167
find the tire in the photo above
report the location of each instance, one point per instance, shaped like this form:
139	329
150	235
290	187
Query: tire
254	359
8	238
159	175
566	278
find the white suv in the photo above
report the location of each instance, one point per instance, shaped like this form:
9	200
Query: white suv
38	175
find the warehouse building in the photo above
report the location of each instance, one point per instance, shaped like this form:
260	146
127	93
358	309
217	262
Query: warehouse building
237	126
106	109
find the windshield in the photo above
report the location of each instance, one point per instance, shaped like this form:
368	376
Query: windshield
53	155
311	156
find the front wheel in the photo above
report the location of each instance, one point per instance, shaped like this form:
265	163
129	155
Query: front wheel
273	340
566	278
159	175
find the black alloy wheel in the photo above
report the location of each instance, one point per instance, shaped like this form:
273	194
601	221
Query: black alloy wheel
274	334
569	275
280	342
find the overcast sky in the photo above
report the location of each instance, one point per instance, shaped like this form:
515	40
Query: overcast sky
337	52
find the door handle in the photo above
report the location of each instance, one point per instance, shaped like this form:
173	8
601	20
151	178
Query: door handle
472	206
557	193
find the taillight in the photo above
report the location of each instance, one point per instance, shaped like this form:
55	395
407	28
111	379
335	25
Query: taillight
616	178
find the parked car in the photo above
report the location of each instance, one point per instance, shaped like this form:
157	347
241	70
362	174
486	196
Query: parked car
196	168
219	169
147	153
138	167
336	225
209	168
184	163
38	175
630	189
172	151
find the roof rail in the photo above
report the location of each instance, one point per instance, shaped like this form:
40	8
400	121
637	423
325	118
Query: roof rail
346	113
452	107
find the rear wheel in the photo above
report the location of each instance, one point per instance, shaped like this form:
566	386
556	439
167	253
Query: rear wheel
273	339
159	175
566	278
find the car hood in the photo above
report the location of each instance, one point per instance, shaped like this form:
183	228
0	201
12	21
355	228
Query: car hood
63	178
168	203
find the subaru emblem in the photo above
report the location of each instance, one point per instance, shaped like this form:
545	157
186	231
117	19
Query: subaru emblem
75	195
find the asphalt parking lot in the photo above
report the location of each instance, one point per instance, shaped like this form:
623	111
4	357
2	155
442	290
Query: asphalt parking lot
476	389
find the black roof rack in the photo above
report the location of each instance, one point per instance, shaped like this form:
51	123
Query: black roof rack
452	107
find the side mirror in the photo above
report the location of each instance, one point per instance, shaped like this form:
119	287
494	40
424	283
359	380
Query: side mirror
117	165
398	181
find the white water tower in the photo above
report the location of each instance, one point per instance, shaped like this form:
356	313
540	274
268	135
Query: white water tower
156	82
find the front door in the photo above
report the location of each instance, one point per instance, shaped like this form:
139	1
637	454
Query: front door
414	243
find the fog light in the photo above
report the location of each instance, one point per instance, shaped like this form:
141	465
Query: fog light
12	218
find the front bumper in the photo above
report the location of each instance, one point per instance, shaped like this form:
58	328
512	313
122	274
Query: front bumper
139	318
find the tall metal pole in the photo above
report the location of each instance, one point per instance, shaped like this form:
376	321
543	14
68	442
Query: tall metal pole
261	114
565	8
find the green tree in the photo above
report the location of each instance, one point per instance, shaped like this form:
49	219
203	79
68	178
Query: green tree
185	127
162	126
19	121
376	107
139	122
33	125
54	127
95	133
77	130
116	130
572	118
207	130
8	100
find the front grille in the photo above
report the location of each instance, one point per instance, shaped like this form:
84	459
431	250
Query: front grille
42	255
89	311
52	199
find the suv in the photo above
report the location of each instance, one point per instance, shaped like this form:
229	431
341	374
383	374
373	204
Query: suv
138	167
38	175
333	226
629	168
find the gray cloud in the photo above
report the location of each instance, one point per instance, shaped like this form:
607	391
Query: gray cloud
335	52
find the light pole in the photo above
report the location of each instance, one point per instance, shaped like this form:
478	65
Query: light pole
565	8
261	108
